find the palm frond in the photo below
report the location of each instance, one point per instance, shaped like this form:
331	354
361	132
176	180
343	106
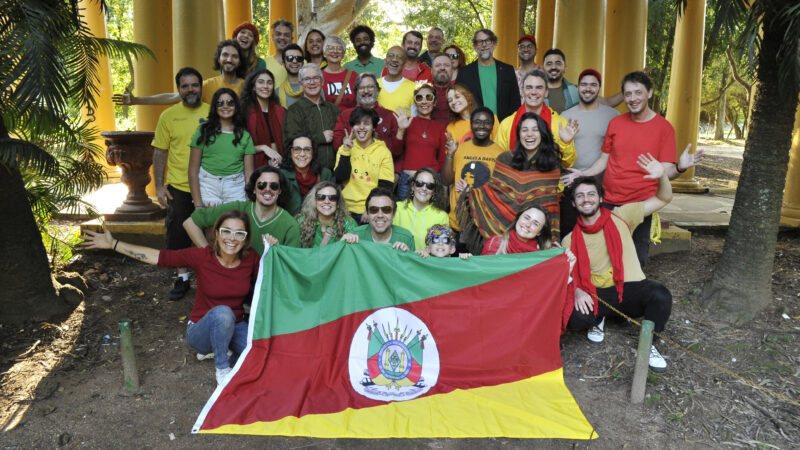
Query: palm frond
26	156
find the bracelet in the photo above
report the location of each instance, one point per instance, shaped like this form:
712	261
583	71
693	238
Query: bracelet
449	156
115	245
678	168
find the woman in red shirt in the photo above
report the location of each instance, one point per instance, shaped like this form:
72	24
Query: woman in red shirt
225	275
264	116
339	83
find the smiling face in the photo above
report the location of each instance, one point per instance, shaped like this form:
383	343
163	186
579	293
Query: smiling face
302	152
367	92
363	132
534	89
281	37
228	235
425	99
379	219
588	89
529	135
267	188
245	38
326	204
362	43
422	194
435	40
334	52
291	61
636	97
484	45
395	58
456	101
440	249
229	59
226	106
554	66
314	44
264	86
529	224
190	88
442	70
586	199
526	51
412	46
312	82
481	125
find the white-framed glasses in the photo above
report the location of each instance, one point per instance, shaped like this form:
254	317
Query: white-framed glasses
237	235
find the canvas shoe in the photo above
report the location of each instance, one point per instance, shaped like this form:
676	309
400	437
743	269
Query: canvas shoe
223	375
205	356
657	362
596	334
179	289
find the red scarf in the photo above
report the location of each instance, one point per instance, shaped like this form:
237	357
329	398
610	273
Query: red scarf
546	113
582	272
264	133
516	245
305	182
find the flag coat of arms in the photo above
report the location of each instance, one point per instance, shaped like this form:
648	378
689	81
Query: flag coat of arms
363	341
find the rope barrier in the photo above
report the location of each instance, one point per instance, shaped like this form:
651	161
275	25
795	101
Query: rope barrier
704	359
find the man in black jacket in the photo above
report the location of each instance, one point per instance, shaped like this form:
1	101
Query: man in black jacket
492	82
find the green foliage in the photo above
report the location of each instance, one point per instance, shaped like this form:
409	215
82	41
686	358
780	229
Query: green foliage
59	243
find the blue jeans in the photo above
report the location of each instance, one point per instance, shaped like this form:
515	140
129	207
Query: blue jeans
216	332
402	186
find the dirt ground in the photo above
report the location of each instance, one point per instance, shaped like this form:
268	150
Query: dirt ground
62	382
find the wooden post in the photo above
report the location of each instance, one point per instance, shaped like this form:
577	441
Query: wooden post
642	362
128	357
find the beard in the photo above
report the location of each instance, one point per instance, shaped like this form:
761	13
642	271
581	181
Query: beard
590	101
191	99
364	50
412	53
441	79
552	77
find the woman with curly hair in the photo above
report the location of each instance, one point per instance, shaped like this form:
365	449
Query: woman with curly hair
302	170
313	48
324	217
425	207
221	157
462	104
264	116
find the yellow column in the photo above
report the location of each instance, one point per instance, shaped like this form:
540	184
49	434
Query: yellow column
545	23
236	12
505	24
579	32
103	113
683	104
790	213
197	28
282	9
626	36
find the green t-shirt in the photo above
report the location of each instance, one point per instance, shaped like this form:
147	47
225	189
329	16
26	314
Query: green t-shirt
221	157
488	77
399	234
349	226
282	225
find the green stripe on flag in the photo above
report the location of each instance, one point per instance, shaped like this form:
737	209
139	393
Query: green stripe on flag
309	300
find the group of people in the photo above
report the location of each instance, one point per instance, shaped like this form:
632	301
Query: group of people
419	151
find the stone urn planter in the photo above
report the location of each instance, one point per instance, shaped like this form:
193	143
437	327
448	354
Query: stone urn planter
131	151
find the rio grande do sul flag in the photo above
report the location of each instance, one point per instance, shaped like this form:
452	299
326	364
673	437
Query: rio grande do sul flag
363	341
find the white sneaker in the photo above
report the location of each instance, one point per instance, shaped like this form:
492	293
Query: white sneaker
223	375
657	362
203	357
596	333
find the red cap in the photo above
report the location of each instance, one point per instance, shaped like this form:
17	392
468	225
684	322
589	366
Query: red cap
526	37
593	72
246	26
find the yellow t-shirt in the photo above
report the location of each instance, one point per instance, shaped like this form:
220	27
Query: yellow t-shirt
402	97
174	132
568	154
368	165
626	218
473	164
212	85
277	69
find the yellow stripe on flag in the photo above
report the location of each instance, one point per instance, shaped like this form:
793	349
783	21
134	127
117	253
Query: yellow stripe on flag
537	407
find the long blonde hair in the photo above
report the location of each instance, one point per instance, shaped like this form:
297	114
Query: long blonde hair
308	215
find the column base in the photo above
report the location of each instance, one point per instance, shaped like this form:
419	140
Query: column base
690	186
790	216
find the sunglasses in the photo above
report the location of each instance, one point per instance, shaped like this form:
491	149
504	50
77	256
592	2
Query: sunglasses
420	184
329	197
302	149
294	58
440	240
426	97
229	102
383	209
452	55
237	235
273	185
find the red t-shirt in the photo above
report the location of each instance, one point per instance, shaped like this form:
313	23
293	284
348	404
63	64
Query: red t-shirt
625	141
216	285
441	112
332	84
424	142
420	74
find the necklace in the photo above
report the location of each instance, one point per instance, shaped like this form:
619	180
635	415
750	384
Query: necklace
425	131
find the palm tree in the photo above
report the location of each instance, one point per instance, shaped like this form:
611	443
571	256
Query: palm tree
48	71
740	285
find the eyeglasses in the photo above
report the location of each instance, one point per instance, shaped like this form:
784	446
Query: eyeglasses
273	185
315	79
294	58
452	55
526	46
439	239
383	209
479	42
227	233
332	48
429	186
229	102
394	56
302	149
329	197
426	97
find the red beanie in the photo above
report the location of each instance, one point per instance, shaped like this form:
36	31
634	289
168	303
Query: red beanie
246	26
592	72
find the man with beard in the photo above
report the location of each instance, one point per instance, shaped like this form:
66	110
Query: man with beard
228	58
282	32
363	39
174	131
593	117
563	95
266	190
313	115
442	80
396	91
606	264
381	207
413	69
367	91
629	135
526	52
493	83
291	90
435	41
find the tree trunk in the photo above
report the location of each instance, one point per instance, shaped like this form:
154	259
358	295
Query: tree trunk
733	118
665	69
27	291
719	128
740	286
331	19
